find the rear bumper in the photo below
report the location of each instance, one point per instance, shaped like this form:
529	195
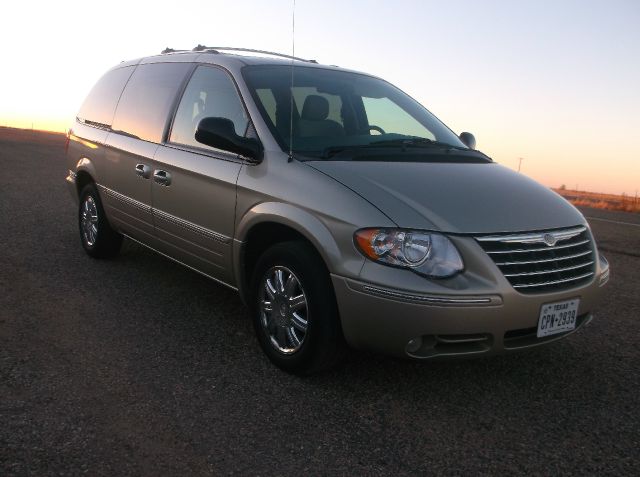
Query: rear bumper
415	325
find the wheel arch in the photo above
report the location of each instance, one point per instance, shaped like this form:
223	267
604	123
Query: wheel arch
271	223
85	174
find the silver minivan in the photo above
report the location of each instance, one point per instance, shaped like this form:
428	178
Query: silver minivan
341	210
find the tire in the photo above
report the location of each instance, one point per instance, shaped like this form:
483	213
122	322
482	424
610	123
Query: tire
295	316
98	239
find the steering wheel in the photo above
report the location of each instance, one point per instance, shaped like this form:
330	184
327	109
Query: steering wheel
376	128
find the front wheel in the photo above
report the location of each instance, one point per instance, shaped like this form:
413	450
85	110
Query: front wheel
294	309
98	238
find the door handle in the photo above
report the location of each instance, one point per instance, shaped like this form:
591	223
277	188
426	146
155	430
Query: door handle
143	171
162	177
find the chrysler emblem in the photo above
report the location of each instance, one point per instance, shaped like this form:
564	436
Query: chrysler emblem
549	239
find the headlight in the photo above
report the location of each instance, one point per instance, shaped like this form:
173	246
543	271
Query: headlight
429	254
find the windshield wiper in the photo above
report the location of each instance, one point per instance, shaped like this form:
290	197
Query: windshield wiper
402	143
331	151
416	141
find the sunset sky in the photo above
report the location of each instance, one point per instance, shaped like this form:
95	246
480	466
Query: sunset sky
554	82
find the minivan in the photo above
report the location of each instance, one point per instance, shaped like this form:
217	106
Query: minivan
342	211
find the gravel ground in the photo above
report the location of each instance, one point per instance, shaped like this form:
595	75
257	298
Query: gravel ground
617	232
137	366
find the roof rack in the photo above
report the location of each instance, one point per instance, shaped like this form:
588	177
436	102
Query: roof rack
170	50
218	49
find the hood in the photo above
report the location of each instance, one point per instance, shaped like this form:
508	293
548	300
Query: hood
454	198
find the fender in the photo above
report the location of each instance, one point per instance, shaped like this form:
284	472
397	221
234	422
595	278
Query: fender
83	166
86	165
302	222
86	150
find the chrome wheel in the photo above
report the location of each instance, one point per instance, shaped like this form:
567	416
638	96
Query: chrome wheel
89	221
283	309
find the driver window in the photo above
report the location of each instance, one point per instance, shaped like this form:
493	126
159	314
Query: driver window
210	93
386	115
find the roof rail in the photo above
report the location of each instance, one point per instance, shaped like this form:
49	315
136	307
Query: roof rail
170	50
218	49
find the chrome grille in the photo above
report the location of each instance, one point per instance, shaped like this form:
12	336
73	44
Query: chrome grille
543	261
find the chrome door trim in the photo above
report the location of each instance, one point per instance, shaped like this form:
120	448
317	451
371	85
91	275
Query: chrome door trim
125	199
213	153
159	214
191	227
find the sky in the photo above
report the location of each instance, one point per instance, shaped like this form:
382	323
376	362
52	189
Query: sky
556	83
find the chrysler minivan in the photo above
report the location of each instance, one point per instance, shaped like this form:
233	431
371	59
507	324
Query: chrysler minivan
342	211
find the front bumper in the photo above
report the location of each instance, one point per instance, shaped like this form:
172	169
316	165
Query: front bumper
477	313
402	326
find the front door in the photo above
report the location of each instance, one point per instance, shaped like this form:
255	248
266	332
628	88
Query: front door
193	185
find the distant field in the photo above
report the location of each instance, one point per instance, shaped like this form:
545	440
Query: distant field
623	203
31	136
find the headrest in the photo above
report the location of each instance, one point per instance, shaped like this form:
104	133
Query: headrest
316	108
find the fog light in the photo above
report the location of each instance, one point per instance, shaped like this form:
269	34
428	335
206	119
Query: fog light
414	345
604	277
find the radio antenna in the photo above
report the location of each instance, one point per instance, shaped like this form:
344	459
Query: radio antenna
293	54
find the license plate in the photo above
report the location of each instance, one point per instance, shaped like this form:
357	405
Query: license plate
558	317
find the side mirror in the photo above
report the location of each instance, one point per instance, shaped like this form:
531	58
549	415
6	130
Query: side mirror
468	139
221	134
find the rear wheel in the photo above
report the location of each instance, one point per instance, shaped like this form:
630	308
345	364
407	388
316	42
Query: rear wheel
294	309
98	238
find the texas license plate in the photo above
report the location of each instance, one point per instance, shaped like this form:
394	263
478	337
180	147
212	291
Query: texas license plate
558	317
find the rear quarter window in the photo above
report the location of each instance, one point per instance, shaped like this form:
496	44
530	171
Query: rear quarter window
100	105
147	100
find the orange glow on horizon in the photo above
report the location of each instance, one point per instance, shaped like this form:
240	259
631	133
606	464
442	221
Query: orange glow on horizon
47	125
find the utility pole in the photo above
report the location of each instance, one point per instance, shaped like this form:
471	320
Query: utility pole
520	159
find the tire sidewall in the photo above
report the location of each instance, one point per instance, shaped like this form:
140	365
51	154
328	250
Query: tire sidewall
314	280
107	241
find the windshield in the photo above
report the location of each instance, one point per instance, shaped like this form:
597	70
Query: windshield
337	111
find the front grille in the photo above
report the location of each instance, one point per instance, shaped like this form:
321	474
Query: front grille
543	261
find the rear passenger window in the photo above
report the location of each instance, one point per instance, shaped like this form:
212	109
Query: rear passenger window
147	99
101	102
210	93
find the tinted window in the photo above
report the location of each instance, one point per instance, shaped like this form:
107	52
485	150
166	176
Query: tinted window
334	102
210	93
386	115
147	99
101	103
269	102
339	110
